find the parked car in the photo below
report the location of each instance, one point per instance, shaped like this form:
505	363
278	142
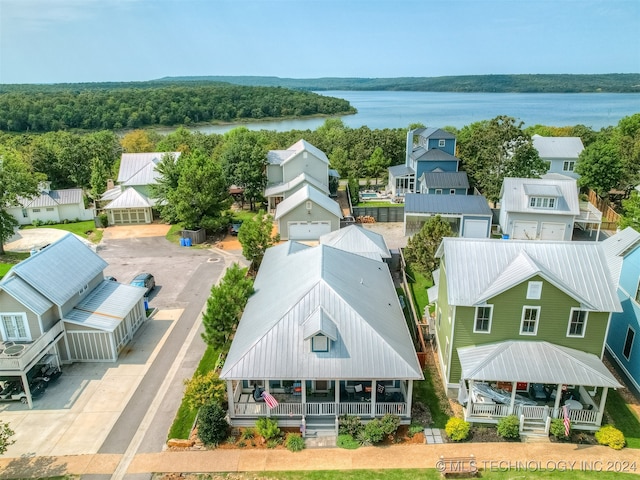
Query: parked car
235	227
145	280
12	390
110	278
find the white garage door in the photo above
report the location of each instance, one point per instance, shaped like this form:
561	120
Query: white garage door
308	230
552	231
476	228
524	230
129	215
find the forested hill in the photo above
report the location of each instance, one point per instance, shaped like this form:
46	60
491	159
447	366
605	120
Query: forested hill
613	83
42	108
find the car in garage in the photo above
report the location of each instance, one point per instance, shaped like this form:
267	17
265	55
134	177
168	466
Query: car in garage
145	280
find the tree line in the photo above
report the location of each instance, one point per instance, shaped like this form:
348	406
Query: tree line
44	108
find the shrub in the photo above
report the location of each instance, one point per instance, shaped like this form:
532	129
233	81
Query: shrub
509	427
557	429
415	428
457	429
273	443
267	428
248	433
363	439
349	425
390	423
104	220
212	425
611	436
374	431
347	441
37	223
204	388
294	442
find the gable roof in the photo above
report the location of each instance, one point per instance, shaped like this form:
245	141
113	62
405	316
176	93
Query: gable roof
297	291
53	198
130	198
59	271
446	204
479	269
616	247
280	157
140	168
358	240
445	179
304	194
302	178
26	295
432	155
433	132
557	147
515	194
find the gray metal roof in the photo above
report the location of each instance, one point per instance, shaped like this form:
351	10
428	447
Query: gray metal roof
416	203
357	239
61	270
26	295
106	306
479	269
302	178
446	179
278	157
304	194
432	155
534	362
355	293
616	247
400	170
515	194
558	147
52	198
130	198
433	132
140	168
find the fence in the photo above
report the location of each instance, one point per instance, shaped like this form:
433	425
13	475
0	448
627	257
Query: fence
196	236
610	217
380	214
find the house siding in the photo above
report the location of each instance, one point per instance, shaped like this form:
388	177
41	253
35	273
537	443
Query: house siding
443	327
8	304
507	315
427	166
300	214
556	165
311	165
274	174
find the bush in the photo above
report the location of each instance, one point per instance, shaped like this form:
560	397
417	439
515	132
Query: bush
457	429
349	425
611	436
557	429
294	442
204	388
212	425
390	423
273	443
37	223
415	428
374	431
363	439
267	428
104	220
347	441
248	433
509	427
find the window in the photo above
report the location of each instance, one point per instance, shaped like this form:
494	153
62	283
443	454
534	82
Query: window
25	214
568	166
15	327
534	290
83	289
577	323
628	343
482	322
542	202
529	324
452	191
319	343
49	209
441	143
438	191
36	210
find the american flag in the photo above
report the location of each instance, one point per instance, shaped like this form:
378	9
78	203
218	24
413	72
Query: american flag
567	421
270	400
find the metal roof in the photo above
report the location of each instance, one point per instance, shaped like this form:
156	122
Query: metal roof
400	170
357	239
355	293
432	155
319	322
558	147
52	198
304	194
140	168
478	269
433	132
446	179
278	157
106	306
302	178
26	295
534	362
515	194
616	247
61	270
416	203
130	198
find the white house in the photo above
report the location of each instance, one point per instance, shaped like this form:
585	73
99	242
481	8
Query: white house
561	153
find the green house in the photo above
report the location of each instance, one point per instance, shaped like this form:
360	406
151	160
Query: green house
521	328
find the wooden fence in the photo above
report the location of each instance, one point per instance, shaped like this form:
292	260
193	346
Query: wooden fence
381	214
610	217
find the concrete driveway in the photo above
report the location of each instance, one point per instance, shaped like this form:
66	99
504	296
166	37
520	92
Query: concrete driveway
36	238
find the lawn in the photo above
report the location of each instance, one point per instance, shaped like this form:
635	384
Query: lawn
9	259
86	229
431	393
418	284
623	418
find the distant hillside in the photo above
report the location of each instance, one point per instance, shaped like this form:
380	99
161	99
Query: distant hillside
613	83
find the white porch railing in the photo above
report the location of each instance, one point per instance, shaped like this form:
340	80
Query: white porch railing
323	408
589	417
531	411
18	363
393	408
287	409
488	410
360	409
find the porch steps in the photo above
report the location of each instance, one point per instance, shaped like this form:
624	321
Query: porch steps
534	431
320	427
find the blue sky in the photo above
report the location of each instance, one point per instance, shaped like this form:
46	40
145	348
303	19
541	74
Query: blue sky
47	41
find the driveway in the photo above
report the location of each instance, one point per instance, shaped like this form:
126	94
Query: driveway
36	238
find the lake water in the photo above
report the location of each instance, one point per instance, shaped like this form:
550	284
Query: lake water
379	110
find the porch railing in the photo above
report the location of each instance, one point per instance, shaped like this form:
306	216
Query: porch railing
393	408
530	411
579	416
19	363
361	409
320	408
489	410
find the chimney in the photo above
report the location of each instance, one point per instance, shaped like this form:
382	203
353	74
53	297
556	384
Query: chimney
110	184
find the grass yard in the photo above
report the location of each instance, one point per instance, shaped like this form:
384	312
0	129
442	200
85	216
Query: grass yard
9	259
430	392
86	229
624	418
418	284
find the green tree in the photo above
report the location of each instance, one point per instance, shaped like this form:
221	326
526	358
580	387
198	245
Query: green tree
421	248
255	236
377	164
17	179
5	437
225	306
139	141
202	194
631	212
166	184
99	177
599	167
213	427
498	148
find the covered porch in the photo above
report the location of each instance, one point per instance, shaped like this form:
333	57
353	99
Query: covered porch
534	381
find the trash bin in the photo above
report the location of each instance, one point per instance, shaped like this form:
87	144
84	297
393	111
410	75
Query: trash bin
146	304
187	242
505	237
183	242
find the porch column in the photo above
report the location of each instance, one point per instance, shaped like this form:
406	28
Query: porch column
603	401
373	398
266	389
303	393
27	390
409	398
513	397
469	409
231	399
556	405
336	393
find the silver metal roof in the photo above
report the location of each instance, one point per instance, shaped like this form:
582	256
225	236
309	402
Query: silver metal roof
278	157
130	198
319	322
400	170
479	269
534	362
432	155
356	294
558	147
52	198
357	239
515	194
446	179
416	203
140	168
61	270
285	187
616	247
304	194
26	295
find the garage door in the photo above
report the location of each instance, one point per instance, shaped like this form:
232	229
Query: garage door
552	231
308	230
476	229
524	230
129	215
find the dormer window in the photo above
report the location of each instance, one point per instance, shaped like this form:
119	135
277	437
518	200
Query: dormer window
441	143
542	202
319	343
320	330
83	289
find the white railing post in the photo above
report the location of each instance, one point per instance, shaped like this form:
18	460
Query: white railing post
521	423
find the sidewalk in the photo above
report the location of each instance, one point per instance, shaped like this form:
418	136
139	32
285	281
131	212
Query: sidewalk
489	456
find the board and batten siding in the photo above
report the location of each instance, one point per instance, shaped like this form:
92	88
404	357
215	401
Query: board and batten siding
304	162
553	322
443	325
8	304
